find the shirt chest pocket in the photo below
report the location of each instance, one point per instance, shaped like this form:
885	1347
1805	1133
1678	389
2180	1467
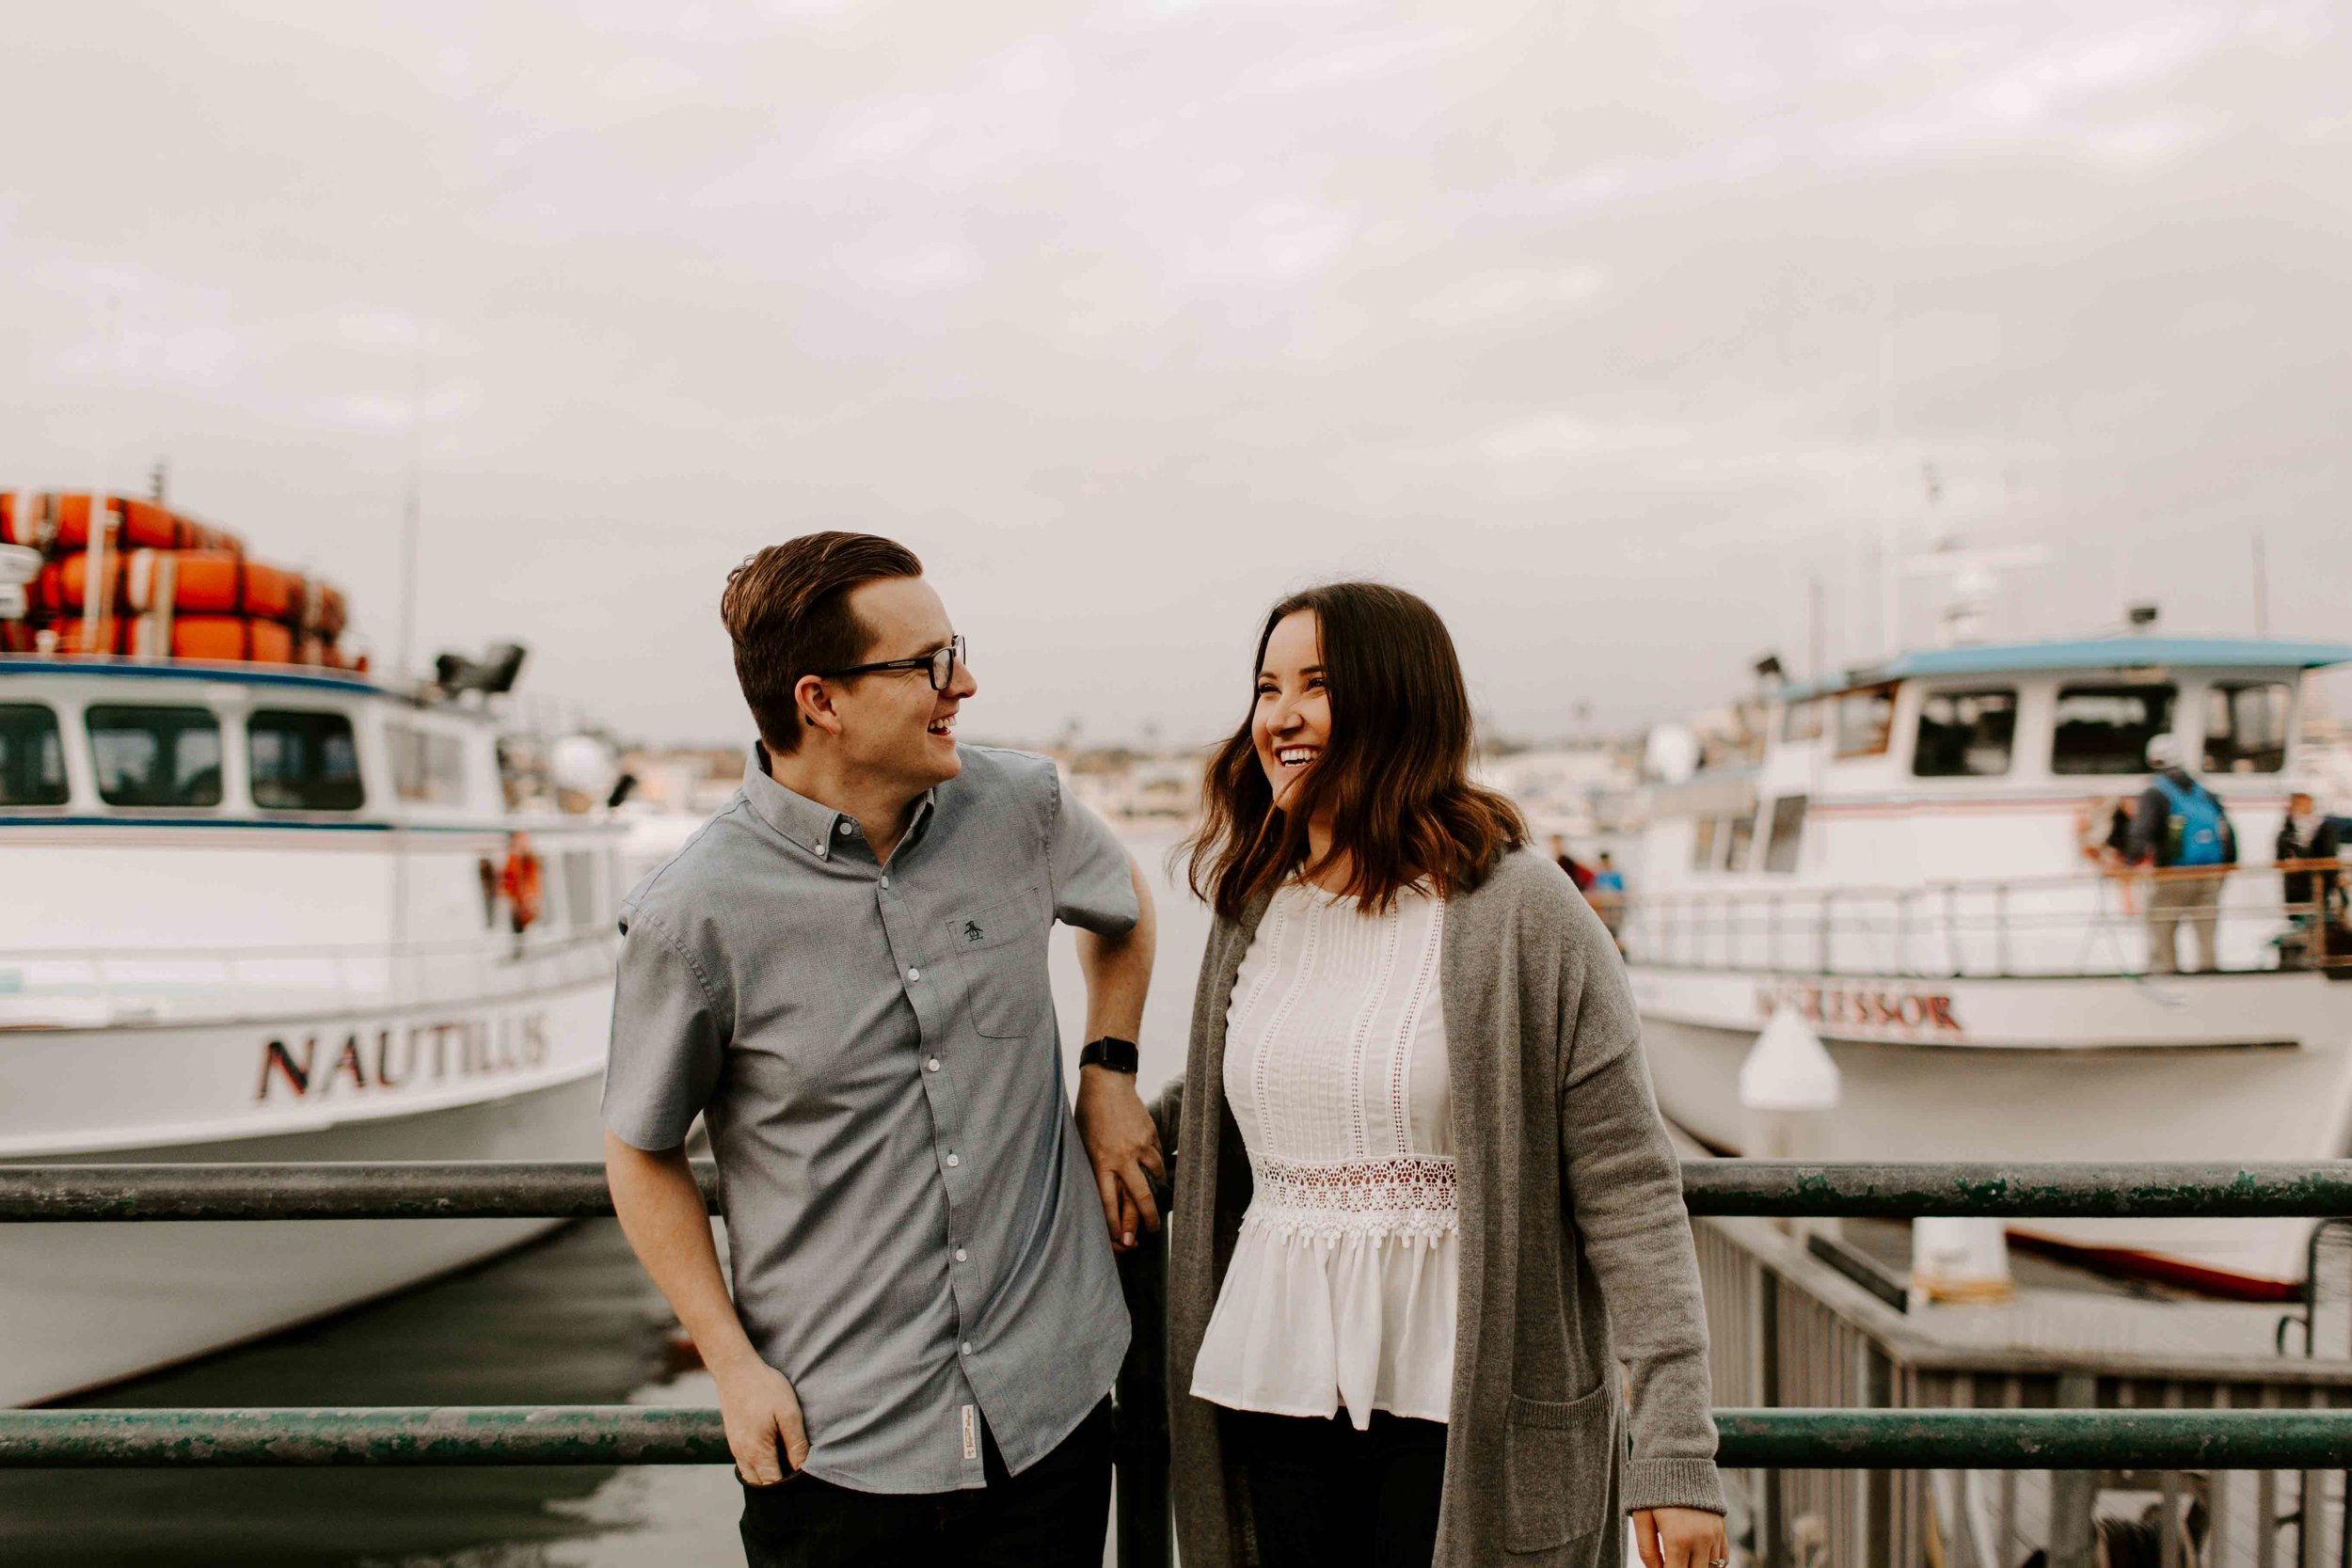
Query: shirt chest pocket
1000	950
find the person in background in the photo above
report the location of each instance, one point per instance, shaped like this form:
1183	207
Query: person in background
2307	836
1433	1228
2181	830
522	883
1607	896
1578	872
845	974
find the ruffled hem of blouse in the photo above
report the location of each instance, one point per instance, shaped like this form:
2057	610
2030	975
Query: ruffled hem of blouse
1311	1319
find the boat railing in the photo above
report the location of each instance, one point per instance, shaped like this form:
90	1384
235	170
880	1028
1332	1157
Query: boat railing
1904	1463
87	988
2099	923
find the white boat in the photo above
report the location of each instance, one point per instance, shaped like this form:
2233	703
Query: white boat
1911	855
253	913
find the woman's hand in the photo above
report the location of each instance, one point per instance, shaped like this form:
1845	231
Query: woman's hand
1679	1538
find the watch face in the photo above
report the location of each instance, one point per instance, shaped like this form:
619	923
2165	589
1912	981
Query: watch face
1119	1055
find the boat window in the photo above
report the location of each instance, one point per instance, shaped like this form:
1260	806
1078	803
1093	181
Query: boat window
1866	719
156	757
1965	734
427	766
1780	851
1743	839
1803	722
580	888
2106	729
1703	845
2245	727
32	756
303	761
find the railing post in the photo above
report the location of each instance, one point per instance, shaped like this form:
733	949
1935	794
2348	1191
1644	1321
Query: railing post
1139	1447
1771	1547
2072	1492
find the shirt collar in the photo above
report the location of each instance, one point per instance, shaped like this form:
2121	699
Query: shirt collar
813	826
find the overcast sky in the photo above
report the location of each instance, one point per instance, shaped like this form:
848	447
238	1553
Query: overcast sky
1606	326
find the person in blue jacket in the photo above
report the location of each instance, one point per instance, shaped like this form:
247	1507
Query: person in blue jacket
2181	830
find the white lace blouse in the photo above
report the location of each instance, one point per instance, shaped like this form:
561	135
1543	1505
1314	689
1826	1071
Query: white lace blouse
1341	1291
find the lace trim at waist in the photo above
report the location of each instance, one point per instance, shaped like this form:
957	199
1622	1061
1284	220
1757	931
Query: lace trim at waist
1412	1196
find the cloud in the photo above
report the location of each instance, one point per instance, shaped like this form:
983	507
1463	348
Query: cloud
1503	295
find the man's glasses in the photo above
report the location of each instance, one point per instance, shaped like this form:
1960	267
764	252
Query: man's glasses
939	664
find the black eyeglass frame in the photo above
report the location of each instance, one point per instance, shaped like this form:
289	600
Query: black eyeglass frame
939	664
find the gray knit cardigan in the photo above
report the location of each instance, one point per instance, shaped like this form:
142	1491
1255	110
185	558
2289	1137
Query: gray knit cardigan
1576	1250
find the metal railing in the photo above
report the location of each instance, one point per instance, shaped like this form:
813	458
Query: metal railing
2086	924
1822	1438
102	988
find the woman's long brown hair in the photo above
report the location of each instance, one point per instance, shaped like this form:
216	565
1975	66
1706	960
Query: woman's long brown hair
1394	776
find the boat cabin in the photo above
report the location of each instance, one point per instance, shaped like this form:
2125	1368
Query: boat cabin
1996	774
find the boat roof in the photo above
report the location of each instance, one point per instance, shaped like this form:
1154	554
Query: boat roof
2092	653
347	681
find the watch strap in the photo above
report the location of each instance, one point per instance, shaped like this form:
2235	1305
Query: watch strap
1111	1051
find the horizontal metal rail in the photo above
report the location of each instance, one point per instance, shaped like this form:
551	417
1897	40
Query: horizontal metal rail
575	1190
637	1434
470	1189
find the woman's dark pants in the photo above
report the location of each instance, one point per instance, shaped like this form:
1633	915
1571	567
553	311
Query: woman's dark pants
1323	1493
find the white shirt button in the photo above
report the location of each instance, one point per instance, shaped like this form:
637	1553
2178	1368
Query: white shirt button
960	1255
931	1065
953	1161
849	830
967	1347
915	974
886	881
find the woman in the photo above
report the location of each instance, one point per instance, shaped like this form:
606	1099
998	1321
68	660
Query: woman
1432	1205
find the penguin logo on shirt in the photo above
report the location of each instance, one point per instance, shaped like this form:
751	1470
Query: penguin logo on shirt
972	931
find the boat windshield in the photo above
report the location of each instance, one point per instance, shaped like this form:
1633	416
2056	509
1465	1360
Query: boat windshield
2245	727
156	756
32	756
303	761
2105	728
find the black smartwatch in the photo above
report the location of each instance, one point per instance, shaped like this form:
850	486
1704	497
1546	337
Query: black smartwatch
1110	1052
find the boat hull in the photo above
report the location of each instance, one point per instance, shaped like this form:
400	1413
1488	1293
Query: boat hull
2074	1070
83	1306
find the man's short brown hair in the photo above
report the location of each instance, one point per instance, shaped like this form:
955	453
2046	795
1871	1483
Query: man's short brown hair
786	610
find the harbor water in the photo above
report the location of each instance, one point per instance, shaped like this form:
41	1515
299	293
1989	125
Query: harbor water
570	1319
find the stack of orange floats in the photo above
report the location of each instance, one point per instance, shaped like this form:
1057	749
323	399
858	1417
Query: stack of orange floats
170	587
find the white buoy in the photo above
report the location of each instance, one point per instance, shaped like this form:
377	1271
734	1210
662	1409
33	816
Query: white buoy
1790	1091
1959	1260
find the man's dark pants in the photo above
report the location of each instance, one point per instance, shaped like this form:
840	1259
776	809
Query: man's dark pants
1053	1514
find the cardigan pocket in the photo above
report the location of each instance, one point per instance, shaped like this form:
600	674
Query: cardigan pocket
1556	1459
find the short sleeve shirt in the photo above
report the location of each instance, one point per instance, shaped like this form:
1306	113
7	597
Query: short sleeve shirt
913	1229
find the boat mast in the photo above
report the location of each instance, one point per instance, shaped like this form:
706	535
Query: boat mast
412	519
96	601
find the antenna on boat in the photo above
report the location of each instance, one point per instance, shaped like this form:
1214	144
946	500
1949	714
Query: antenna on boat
98	599
412	519
1973	577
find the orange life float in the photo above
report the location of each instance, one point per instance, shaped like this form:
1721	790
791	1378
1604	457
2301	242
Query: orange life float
190	581
223	638
59	521
228	637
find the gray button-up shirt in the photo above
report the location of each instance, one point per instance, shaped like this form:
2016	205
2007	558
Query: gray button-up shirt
913	1226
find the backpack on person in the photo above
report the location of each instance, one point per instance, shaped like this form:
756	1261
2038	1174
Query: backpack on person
2197	830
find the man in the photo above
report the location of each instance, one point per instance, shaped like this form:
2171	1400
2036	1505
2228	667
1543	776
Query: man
2181	831
2306	853
845	972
